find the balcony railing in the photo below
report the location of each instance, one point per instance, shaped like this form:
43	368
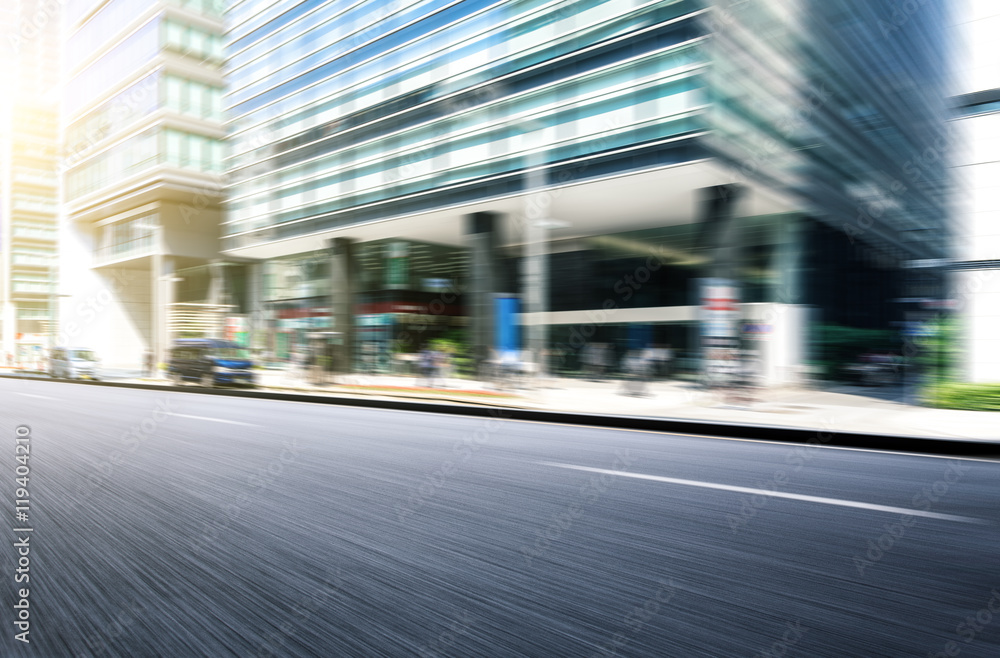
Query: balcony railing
32	288
137	248
32	261
34	233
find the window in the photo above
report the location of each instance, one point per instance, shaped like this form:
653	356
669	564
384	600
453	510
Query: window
175	93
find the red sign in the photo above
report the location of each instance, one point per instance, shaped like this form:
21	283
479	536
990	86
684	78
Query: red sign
721	304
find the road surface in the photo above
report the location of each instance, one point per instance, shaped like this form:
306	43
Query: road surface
177	524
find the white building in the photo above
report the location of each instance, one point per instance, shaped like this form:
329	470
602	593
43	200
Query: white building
977	281
142	156
28	182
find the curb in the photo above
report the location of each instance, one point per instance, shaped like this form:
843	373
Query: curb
713	429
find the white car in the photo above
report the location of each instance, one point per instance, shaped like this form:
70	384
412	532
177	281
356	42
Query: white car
73	363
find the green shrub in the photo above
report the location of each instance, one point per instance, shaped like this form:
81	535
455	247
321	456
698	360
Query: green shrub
836	347
940	350
970	397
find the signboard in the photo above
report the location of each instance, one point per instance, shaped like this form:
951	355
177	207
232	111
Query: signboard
437	284
235	325
757	330
376	320
720	310
397	266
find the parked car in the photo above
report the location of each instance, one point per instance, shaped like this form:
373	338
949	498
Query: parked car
73	363
210	362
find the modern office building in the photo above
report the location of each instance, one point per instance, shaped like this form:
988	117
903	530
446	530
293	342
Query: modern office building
142	160
28	179
977	168
421	169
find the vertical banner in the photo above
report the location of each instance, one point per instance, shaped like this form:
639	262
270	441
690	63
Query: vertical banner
720	312
508	339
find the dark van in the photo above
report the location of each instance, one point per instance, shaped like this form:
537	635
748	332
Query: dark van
210	362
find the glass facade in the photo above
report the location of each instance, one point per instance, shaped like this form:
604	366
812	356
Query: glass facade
112	18
191	40
828	107
426	104
351	113
192	98
343	113
93	81
138	100
400	287
114	139
128	239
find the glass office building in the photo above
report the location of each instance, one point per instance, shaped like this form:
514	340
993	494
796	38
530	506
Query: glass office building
560	145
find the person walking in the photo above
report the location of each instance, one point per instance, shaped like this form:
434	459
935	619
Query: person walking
427	365
441	367
666	357
147	363
637	364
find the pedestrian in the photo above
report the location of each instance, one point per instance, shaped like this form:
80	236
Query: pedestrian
427	365
440	364
301	361
147	363
588	359
666	357
652	356
636	366
603	360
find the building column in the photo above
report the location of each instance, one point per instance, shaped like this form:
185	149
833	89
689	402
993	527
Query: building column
717	331
788	347
482	239
719	233
162	297
343	271
256	335
787	261
217	296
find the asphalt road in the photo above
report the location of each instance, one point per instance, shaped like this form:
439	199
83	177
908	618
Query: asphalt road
173	524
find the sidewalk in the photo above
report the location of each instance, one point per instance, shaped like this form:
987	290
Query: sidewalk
838	408
842	408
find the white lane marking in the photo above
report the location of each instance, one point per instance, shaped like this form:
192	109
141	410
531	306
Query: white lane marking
32	395
217	420
777	494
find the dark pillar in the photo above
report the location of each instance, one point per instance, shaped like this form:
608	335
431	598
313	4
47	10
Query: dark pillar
342	289
482	239
719	240
719	232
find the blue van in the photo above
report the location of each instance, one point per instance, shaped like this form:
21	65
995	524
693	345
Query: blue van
210	362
